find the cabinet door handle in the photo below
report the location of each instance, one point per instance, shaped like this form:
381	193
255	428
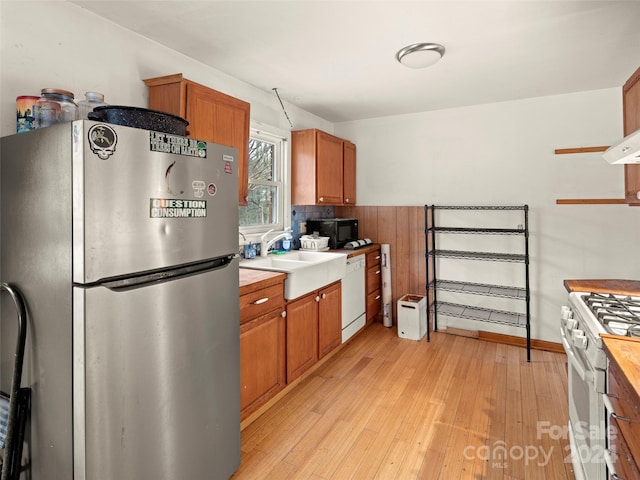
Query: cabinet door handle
317	299
377	297
623	419
609	407
346	200
610	464
378	272
283	314
260	301
324	295
321	199
377	257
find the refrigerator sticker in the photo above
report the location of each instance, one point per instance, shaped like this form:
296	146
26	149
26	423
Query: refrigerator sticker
212	189
227	158
227	168
198	188
175	208
166	143
102	140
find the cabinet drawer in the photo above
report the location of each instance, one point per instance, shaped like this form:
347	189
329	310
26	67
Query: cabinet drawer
374	277
374	303
261	301
625	415
624	463
621	397
373	258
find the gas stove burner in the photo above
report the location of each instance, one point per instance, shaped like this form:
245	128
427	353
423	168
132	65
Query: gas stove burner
619	314
634	331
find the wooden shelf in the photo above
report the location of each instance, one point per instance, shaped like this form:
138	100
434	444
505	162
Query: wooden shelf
564	151
591	201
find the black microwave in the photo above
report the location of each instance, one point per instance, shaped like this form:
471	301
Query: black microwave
339	230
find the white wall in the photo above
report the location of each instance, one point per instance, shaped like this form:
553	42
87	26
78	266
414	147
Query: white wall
55	44
503	153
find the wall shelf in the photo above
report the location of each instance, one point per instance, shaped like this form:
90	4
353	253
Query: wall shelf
462	288
591	201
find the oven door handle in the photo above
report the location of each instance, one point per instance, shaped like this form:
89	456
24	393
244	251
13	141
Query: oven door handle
577	364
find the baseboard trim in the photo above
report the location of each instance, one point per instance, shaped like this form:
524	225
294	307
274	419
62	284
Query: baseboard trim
506	339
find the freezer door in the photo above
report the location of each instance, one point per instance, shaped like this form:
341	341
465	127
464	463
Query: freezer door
156	380
146	200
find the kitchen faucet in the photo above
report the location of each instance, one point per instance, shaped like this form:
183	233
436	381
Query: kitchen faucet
265	244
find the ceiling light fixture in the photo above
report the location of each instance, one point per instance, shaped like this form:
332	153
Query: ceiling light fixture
420	55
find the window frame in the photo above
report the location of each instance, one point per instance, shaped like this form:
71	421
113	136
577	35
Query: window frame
282	168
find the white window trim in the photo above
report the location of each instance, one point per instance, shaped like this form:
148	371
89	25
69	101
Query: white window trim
284	216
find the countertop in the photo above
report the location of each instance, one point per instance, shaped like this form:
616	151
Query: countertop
615	286
251	280
360	251
625	352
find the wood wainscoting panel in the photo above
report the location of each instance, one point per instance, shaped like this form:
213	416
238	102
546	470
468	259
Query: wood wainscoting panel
403	229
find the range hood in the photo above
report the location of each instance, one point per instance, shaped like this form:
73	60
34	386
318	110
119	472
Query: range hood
625	151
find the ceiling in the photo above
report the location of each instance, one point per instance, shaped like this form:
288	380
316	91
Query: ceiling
336	59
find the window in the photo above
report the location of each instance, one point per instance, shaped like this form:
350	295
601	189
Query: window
266	203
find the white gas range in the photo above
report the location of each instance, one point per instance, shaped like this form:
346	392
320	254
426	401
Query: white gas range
587	317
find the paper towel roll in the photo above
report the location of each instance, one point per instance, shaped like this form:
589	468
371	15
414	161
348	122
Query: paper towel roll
387	299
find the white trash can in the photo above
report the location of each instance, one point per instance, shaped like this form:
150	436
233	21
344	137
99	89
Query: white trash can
412	317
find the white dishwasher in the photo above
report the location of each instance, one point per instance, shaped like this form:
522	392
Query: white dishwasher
353	297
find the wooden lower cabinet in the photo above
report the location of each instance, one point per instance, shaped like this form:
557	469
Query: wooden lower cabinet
314	328
302	335
374	285
620	452
329	319
623	429
262	347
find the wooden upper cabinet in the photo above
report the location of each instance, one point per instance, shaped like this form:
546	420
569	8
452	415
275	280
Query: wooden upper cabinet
213	116
631	109
318	169
329	169
349	172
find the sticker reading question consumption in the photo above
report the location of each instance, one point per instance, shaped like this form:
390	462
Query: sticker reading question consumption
176	208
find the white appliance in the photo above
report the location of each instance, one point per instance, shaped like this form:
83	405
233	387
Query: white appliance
353	297
412	317
124	244
625	151
587	316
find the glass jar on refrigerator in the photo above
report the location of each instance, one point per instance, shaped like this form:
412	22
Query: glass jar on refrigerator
55	106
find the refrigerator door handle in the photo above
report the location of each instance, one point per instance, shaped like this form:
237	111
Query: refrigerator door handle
164	275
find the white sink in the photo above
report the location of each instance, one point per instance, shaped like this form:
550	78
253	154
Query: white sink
306	271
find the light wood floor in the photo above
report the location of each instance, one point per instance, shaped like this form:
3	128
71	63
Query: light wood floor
389	408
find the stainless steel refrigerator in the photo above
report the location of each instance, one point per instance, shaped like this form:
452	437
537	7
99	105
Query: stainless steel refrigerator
124	245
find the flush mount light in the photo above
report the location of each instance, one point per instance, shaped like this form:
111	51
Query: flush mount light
420	55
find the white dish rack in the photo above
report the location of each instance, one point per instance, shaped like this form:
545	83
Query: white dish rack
317	244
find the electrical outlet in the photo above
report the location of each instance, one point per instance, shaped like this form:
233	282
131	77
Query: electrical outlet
303	227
